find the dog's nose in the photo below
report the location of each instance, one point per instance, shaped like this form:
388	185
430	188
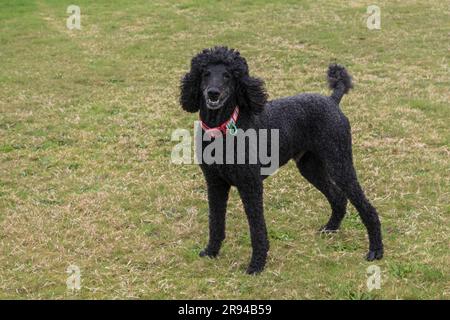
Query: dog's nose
213	94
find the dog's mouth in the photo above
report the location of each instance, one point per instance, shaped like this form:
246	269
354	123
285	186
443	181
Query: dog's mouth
218	102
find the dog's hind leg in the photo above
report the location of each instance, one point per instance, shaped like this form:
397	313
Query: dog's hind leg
340	168
312	168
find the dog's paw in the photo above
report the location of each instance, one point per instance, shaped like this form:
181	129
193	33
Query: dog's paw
328	229
254	269
208	253
374	255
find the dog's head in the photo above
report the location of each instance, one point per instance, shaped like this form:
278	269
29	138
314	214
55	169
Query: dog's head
218	79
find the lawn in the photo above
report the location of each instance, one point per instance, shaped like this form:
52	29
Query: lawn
86	118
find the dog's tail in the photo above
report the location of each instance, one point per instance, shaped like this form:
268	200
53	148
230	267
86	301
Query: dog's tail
339	81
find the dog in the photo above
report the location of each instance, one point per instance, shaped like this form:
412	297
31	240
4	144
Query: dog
312	130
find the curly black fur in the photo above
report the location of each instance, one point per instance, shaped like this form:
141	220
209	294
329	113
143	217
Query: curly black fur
313	132
251	93
339	81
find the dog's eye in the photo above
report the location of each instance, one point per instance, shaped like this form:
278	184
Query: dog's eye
206	74
226	75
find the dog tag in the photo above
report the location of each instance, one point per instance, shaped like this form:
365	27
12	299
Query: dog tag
232	129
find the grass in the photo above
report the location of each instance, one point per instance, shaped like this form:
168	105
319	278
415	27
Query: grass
86	118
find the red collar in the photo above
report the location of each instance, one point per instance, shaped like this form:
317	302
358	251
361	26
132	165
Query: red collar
229	125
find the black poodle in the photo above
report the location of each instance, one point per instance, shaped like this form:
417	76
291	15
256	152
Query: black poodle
313	132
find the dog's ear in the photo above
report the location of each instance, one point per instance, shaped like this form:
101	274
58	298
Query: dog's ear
251	94
190	91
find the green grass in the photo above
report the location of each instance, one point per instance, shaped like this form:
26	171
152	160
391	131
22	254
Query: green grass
85	124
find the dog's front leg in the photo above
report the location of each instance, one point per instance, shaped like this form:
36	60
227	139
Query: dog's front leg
252	197
217	200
